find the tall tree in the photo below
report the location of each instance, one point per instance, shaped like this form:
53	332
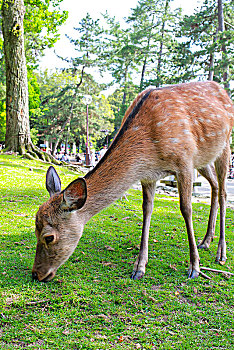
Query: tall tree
39	30
207	47
152	25
63	113
221	29
17	110
17	127
87	46
42	21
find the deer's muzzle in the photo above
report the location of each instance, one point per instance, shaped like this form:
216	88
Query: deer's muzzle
46	278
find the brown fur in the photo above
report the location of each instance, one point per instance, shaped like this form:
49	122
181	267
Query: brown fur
175	130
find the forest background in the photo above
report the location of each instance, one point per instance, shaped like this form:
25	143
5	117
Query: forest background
155	44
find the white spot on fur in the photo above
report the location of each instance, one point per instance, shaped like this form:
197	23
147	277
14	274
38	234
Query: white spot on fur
211	134
162	122
174	140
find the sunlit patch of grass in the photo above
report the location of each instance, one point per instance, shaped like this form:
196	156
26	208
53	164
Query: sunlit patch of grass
92	303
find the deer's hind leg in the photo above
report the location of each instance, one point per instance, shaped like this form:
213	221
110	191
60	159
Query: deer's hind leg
210	174
185	184
148	190
221	167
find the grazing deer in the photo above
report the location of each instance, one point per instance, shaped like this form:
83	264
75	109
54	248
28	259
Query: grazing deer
169	130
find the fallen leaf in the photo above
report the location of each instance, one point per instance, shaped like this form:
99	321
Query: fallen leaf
172	333
173	267
120	340
104	317
152	299
156	288
106	263
226	275
107	247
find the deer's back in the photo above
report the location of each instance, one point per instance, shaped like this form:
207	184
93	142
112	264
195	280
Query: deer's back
191	121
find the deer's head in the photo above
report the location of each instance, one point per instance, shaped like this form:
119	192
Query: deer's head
58	227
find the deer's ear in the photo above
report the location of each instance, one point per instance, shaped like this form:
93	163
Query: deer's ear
75	194
53	182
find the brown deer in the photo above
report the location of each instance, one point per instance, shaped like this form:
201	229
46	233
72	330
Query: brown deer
169	130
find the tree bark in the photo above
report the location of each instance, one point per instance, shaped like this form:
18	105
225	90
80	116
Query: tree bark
17	115
223	47
60	133
211	63
17	112
146	56
161	44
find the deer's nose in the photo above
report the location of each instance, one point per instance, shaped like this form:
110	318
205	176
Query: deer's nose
34	276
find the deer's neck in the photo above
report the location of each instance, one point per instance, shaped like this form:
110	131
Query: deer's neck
108	181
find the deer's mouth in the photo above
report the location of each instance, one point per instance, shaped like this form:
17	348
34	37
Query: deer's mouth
46	278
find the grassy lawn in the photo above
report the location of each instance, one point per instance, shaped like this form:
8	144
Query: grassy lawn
92	303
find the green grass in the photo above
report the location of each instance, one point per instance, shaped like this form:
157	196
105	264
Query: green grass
92	303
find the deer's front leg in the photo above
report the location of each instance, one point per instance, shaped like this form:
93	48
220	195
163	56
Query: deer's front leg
148	189
185	192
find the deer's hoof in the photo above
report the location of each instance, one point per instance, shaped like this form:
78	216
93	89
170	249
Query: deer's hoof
193	273
203	246
136	275
221	261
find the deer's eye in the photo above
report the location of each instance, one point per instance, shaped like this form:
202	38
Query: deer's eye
49	239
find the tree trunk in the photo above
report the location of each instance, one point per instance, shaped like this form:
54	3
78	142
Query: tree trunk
161	44
211	63
143	74
146	55
17	116
60	133
223	48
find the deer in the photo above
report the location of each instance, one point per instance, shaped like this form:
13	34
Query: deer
170	130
